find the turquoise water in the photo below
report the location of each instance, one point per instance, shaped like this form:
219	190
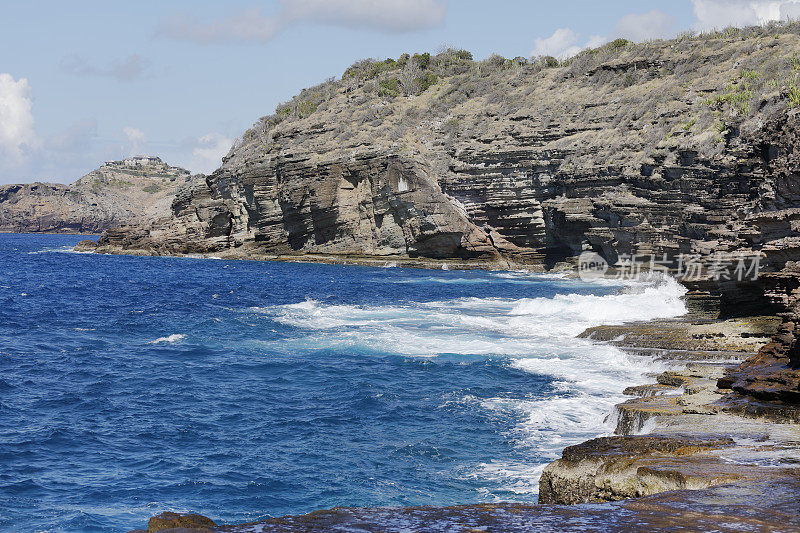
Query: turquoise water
243	390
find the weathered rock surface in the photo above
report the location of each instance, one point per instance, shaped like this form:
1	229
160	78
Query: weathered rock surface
774	373
699	435
120	193
617	468
170	521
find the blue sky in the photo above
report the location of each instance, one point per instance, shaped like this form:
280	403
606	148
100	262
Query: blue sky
86	81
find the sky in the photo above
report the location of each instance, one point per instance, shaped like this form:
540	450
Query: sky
85	81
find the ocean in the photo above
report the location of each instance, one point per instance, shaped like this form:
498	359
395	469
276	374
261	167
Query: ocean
242	390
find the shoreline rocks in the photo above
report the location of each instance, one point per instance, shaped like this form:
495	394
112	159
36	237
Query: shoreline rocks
698	435
618	468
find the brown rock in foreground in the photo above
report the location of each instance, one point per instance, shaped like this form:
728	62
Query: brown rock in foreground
186	522
618	468
774	373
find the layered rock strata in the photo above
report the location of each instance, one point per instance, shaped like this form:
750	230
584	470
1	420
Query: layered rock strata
701	433
629	149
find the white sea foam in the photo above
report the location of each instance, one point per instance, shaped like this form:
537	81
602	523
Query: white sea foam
536	334
59	250
175	337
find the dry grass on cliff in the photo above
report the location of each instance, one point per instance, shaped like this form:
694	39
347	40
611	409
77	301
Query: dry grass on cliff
695	91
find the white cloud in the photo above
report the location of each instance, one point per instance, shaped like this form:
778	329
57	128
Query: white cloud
250	25
17	134
563	43
595	41
136	139
790	10
722	13
129	68
642	27
207	152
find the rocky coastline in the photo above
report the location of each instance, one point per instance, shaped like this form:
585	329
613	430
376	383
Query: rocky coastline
687	450
677	152
680	151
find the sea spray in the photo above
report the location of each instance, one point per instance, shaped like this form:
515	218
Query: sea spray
537	335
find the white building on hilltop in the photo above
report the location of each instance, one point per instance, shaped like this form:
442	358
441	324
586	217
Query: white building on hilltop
141	161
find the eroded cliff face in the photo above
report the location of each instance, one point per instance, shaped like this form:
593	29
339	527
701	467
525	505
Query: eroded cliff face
372	204
117	194
633	149
679	147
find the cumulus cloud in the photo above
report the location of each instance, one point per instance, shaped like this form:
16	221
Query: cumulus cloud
136	139
722	13
130	68
563	43
396	16
207	152
642	27
17	133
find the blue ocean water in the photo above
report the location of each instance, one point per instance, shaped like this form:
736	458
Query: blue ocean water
243	390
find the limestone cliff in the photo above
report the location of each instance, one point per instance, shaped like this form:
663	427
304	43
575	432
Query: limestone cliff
120	193
689	146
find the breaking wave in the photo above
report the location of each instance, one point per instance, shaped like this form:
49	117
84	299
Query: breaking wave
171	339
535	335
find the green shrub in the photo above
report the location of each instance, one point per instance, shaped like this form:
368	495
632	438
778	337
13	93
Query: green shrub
368	69
549	62
389	88
283	110
616	44
306	107
423	60
427	81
